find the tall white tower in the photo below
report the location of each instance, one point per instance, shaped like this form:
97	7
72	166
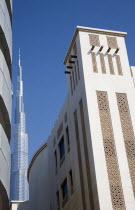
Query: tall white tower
20	153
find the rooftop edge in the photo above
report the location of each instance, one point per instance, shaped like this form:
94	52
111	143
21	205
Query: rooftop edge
92	30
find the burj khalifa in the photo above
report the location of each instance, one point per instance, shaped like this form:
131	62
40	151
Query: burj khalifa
20	189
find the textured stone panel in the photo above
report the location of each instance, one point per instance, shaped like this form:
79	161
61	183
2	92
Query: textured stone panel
112	42
94	62
128	134
102	61
94	40
110	62
110	152
118	65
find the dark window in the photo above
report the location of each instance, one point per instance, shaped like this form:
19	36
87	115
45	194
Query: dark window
64	188
58	200
55	154
71	178
62	147
67	135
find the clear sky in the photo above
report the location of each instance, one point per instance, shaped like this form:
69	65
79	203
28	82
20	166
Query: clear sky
43	30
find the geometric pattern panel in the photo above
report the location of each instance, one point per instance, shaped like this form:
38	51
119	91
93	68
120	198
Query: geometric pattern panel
102	61
94	62
128	133
118	65
110	62
112	42
110	152
94	40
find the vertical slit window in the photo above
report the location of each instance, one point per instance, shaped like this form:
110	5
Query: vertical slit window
64	188
67	135
94	62
75	74
55	155
62	147
78	70
71	180
58	200
71	85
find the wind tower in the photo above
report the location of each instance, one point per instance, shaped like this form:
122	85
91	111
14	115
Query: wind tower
20	151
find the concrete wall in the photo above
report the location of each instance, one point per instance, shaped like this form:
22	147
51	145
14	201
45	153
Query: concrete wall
38	184
5	102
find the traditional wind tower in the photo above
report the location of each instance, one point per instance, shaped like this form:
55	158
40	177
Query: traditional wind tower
20	153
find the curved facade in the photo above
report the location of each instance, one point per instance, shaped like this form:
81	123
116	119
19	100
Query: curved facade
5	99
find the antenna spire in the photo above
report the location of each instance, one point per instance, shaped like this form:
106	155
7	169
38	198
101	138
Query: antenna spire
19	57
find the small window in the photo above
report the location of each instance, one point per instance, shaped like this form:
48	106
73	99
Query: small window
58	200
71	178
67	136
55	155
64	188
62	147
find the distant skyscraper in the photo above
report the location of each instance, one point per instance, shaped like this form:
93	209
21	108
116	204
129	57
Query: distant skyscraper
20	153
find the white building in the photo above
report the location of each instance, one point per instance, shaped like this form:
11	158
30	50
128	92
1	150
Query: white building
5	99
88	160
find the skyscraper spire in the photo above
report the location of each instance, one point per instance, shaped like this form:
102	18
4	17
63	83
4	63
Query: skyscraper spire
20	152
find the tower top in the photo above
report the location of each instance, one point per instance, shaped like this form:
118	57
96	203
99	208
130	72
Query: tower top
19	63
91	30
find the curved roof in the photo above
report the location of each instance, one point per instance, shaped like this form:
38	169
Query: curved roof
35	156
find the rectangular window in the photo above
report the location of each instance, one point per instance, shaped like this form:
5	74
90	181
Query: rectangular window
58	200
71	180
67	136
64	188
62	147
55	155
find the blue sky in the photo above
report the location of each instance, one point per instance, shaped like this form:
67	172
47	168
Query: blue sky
43	30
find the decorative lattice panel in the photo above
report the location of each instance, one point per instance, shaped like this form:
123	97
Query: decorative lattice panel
94	40
119	65
110	152
102	61
94	62
112	42
128	133
110	62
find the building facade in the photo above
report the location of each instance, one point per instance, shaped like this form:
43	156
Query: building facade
5	99
88	160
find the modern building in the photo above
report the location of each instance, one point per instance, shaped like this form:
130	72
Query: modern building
20	189
88	161
5	99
